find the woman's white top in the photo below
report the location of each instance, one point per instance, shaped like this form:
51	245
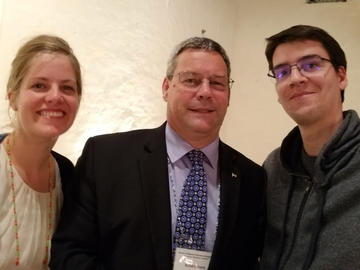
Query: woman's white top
32	209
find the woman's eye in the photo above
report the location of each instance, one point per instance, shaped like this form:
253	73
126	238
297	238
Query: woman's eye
68	88
38	86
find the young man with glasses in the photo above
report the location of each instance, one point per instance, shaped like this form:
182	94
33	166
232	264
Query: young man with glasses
153	199
313	185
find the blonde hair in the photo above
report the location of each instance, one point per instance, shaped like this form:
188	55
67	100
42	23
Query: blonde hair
35	46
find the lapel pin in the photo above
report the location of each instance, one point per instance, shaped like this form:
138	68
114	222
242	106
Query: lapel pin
233	175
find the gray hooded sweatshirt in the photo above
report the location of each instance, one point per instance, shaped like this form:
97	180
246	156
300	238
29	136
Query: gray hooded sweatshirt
314	221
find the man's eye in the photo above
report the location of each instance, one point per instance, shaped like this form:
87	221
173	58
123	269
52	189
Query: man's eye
281	73
191	81
310	66
218	83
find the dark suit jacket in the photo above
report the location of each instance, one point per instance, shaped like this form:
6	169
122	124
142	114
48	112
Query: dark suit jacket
119	214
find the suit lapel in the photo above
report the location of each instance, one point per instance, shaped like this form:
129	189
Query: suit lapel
229	196
155	183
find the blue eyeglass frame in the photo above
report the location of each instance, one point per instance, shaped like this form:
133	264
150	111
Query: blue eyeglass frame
271	72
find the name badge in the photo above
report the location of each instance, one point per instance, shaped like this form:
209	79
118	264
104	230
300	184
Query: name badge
191	259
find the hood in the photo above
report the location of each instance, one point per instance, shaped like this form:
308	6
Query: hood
334	155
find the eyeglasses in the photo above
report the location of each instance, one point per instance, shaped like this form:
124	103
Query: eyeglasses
193	80
307	66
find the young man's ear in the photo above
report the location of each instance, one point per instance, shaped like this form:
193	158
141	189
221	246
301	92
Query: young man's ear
342	77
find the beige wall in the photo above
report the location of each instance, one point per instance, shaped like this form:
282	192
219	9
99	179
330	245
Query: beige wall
256	123
123	47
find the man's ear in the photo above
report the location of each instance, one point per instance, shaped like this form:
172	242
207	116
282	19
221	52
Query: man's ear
165	88
229	98
342	77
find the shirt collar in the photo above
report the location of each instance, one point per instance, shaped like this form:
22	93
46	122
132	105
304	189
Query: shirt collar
177	147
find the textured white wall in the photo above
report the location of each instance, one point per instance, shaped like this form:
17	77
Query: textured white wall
123	47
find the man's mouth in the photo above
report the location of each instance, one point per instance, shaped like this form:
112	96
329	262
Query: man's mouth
300	94
202	110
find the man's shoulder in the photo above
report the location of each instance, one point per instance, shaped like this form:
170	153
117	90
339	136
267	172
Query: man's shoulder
62	160
227	152
288	151
274	167
127	136
274	156
66	168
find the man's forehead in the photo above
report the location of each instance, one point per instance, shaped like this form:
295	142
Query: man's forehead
193	58
197	51
290	52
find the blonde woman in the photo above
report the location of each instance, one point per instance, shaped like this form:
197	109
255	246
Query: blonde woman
44	91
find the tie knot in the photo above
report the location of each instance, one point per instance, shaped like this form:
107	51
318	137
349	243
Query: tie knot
196	157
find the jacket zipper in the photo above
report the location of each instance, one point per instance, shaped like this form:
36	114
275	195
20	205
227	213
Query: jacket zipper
298	218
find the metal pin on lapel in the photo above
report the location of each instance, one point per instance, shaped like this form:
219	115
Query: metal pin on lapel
233	175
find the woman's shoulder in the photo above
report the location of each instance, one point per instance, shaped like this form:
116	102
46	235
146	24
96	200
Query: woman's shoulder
2	136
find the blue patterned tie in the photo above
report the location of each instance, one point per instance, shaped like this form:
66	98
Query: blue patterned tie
191	213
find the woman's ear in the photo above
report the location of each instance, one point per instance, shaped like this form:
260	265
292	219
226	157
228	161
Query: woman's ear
12	100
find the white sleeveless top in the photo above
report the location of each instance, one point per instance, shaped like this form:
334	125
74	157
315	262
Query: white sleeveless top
32	209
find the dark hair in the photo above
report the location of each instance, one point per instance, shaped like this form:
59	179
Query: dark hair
307	32
200	43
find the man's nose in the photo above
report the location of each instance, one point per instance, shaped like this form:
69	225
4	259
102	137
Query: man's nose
295	74
204	88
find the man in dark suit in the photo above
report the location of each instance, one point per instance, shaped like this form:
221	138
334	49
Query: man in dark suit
171	197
